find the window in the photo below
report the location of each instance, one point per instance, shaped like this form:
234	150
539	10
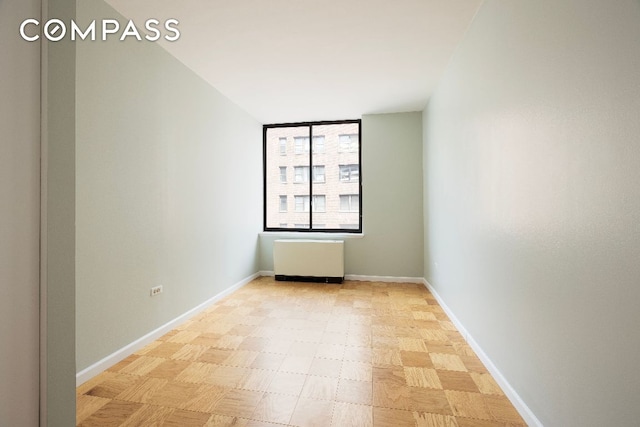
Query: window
318	173
301	174
318	144
301	144
348	142
326	172
349	173
349	202
302	203
319	203
283	146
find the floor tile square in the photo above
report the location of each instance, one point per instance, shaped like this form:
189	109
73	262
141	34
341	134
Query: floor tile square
286	383
422	377
350	391
240	403
205	398
169	369
460	381
450	362
112	385
469	405
350	415
113	413
312	413
182	418
486	384
325	367
320	388
385	417
359	371
275	408
149	415
296	364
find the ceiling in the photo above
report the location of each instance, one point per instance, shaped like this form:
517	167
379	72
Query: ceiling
302	60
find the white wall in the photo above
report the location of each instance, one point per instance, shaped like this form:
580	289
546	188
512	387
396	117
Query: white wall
532	202
166	191
391	201
19	217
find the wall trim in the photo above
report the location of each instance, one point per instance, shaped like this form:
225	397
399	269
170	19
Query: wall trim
115	357
509	391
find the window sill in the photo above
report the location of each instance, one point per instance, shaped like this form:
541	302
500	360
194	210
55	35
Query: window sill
319	235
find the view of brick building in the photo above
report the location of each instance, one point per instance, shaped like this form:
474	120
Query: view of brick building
325	181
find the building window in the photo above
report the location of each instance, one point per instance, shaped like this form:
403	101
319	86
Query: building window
349	173
318	144
318	173
348	142
349	203
301	144
300	174
302	203
328	155
319	203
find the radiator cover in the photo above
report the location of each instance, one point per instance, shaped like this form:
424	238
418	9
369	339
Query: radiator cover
309	260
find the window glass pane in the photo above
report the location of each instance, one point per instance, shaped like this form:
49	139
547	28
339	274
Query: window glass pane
319	203
336	173
302	203
300	174
349	173
283	146
279	197
318	173
301	144
318	144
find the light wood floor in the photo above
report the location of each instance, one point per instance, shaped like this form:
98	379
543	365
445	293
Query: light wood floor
281	353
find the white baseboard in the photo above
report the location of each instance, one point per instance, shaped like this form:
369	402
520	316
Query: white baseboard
101	365
513	396
267	273
395	279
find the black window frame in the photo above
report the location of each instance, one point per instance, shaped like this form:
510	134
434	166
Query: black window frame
310	126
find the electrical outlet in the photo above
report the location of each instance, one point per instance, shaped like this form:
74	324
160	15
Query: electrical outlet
156	290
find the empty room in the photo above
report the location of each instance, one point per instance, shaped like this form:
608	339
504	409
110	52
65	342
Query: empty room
320	213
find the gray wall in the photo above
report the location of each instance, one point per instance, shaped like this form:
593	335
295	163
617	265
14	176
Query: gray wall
392	201
166	191
59	229
19	217
532	160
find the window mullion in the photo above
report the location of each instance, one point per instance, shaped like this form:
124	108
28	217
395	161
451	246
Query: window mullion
310	177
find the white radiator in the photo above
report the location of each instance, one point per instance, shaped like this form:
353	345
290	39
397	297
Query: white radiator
309	260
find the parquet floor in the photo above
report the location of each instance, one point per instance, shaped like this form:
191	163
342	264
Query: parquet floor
299	354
